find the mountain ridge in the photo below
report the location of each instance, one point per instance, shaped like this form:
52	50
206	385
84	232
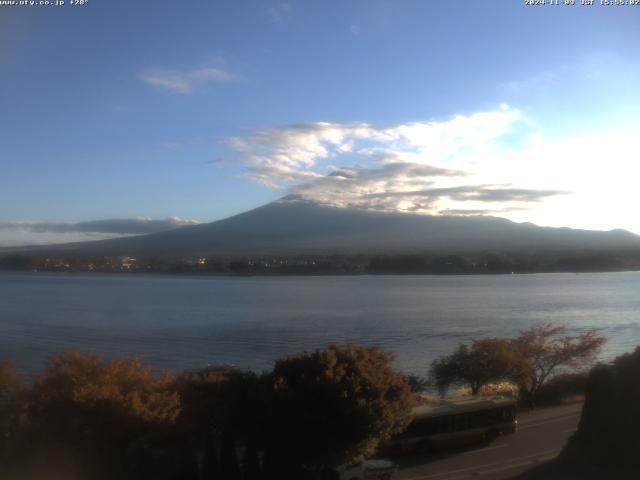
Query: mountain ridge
286	227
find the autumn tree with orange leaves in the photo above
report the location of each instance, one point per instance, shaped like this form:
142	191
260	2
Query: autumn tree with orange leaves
11	393
108	415
543	350
528	360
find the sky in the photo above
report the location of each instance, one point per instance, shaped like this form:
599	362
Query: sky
121	118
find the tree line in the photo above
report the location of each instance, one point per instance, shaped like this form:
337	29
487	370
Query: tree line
528	360
336	264
87	417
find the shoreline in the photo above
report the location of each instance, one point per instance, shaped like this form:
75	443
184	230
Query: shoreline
317	274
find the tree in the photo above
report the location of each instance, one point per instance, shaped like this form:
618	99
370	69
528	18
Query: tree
485	361
11	389
606	444
18	261
222	409
10	381
417	384
333	406
113	416
543	350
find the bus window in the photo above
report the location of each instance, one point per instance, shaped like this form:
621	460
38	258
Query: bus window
508	414
460	422
476	419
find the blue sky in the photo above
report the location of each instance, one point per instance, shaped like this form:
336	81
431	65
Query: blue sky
200	110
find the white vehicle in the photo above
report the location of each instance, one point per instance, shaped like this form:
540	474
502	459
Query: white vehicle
372	469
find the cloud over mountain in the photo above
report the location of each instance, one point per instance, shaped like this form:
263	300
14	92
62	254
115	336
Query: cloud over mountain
407	167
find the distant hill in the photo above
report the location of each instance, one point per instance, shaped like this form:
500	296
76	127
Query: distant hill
300	228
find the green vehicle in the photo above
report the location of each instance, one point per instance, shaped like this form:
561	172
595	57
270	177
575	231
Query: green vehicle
455	424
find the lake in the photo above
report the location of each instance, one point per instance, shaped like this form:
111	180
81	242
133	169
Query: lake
180	322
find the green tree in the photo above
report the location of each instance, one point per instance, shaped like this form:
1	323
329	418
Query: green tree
333	406
484	361
543	350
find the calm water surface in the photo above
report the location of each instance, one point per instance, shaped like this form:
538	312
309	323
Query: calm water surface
181	323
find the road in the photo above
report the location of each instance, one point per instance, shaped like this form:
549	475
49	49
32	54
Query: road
540	437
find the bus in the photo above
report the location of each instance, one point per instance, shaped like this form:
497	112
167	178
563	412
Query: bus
456	423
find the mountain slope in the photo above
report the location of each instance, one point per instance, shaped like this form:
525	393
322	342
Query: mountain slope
290	228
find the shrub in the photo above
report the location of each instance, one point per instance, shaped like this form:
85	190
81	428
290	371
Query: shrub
334	406
563	388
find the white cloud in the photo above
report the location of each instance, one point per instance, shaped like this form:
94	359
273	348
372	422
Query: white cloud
281	157
38	232
497	162
280	12
186	81
415	166
116	226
